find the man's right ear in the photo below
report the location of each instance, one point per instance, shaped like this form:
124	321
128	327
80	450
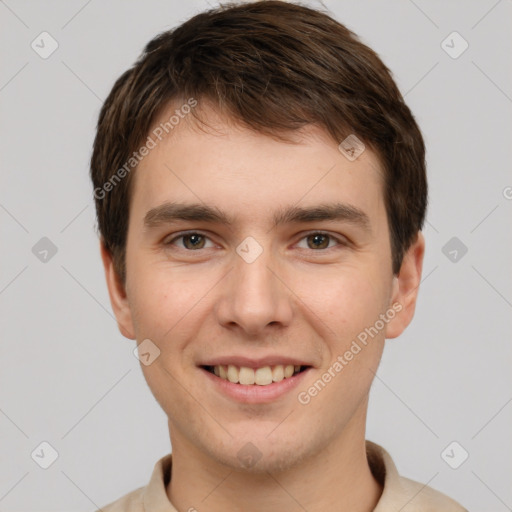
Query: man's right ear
117	293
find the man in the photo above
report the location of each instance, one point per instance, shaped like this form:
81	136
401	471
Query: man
260	189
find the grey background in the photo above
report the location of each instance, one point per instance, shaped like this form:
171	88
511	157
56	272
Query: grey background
68	377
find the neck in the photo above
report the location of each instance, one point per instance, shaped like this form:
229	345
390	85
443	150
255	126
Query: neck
337	478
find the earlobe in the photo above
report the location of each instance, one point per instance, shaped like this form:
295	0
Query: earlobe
117	294
406	287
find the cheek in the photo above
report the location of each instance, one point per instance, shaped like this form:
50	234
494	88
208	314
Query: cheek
154	300
347	299
149	311
168	305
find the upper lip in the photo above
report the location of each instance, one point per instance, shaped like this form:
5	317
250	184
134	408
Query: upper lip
251	362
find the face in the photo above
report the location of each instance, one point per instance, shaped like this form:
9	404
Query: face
277	256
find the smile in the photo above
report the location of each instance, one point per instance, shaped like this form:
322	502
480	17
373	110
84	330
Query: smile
263	376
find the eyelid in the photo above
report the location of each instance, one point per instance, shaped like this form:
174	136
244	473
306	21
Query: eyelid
338	238
181	234
342	240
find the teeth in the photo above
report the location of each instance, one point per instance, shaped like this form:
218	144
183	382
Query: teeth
246	376
233	373
288	371
278	373
261	376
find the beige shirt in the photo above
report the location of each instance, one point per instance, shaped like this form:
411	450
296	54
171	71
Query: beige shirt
397	490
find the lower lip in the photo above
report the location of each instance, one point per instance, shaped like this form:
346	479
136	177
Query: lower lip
256	394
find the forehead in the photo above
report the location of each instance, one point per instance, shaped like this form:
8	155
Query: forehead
246	172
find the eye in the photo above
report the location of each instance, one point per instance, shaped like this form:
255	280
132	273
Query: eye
320	240
190	241
193	241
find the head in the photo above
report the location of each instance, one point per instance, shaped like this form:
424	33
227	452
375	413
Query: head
294	248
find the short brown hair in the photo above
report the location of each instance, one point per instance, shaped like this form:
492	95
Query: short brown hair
275	67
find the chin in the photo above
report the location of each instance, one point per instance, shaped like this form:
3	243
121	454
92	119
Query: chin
260	455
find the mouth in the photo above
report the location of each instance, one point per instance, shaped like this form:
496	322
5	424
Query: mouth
263	376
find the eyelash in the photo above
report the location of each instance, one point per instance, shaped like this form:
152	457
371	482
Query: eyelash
340	241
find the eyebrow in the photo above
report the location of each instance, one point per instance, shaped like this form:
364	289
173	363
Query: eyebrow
170	212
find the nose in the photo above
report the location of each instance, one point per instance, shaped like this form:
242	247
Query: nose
255	297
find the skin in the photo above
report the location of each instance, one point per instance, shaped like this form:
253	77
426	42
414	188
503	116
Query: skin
293	299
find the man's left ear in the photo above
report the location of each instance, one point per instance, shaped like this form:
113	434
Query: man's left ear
405	288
